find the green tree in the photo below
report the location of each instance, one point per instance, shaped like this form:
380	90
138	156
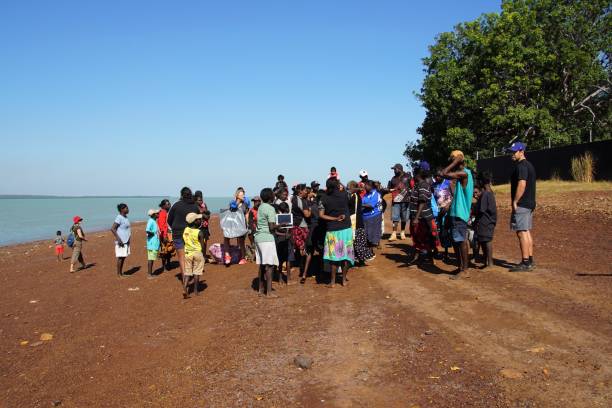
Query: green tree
539	70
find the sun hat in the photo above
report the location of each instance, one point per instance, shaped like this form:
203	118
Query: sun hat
516	146
76	219
191	217
152	211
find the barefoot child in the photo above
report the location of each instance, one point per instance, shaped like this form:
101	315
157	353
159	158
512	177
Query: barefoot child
59	246
486	218
153	242
194	252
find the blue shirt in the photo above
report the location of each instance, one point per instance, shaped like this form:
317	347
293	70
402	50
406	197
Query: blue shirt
152	241
462	200
124	229
374	200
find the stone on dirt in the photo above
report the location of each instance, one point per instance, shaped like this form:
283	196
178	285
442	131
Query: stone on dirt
511	374
303	362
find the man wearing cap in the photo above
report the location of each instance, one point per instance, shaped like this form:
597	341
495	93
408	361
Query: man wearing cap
460	207
399	186
363	179
523	192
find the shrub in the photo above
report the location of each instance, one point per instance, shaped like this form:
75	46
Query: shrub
583	168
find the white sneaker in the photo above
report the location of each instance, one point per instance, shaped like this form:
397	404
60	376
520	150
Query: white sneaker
392	237
402	236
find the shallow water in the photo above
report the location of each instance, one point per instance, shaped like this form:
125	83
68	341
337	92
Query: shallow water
29	219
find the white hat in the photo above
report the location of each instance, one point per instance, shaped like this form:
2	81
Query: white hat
191	217
152	211
363	173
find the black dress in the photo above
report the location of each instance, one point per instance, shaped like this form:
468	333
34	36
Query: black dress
486	217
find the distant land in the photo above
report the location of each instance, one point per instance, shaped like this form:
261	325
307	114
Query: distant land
34	196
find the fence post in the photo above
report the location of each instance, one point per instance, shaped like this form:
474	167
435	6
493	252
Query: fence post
476	154
549	142
494	152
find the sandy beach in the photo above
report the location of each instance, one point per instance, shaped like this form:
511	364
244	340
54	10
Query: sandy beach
397	336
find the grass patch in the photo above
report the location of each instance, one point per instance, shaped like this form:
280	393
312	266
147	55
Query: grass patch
555	186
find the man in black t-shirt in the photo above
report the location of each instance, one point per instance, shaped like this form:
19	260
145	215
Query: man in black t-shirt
523	192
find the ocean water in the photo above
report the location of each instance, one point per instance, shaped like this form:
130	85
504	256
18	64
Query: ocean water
29	219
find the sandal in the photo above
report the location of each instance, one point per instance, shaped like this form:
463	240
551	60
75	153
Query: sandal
228	259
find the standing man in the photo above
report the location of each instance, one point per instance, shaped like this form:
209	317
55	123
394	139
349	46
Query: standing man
399	186
460	209
523	192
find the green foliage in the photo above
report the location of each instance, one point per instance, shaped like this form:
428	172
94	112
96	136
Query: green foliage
540	69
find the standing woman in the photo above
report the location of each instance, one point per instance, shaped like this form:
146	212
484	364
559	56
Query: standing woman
177	219
77	247
372	214
199	201
338	249
363	253
166	248
265	248
122	230
299	233
239	203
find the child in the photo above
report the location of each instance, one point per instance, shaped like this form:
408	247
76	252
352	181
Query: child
333	173
284	249
153	241
59	246
486	218
193	237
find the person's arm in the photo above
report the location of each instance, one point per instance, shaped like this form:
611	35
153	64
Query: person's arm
149	232
80	233
454	175
171	216
520	190
418	213
305	208
114	231
202	242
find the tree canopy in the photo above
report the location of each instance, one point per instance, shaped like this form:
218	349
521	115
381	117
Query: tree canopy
539	70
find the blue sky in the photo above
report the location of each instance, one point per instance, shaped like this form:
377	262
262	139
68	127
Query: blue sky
143	97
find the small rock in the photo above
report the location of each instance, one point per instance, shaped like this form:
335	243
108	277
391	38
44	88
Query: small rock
545	371
303	362
428	332
133	289
36	344
511	374
23	343
56	403
46	336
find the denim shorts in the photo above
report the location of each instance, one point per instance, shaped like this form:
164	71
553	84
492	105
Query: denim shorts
459	229
399	212
521	219
178	242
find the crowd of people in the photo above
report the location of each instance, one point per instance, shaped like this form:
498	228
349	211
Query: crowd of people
331	229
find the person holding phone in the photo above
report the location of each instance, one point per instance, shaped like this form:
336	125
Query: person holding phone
338	248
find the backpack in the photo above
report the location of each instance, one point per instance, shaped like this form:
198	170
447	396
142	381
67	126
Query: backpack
70	240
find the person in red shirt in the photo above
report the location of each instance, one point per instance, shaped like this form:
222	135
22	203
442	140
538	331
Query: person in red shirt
252	219
166	250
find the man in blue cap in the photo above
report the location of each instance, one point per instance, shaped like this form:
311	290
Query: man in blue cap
523	193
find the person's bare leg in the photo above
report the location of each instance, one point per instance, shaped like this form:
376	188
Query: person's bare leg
242	243
465	252
489	249
523	237
185	282
180	255
120	266
530	243
261	273
196	285
150	268
306	267
81	260
334	268
345	269
269	293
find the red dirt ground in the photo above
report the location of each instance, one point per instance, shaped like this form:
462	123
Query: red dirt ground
397	336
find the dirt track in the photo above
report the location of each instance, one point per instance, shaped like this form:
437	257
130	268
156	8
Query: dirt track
397	336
